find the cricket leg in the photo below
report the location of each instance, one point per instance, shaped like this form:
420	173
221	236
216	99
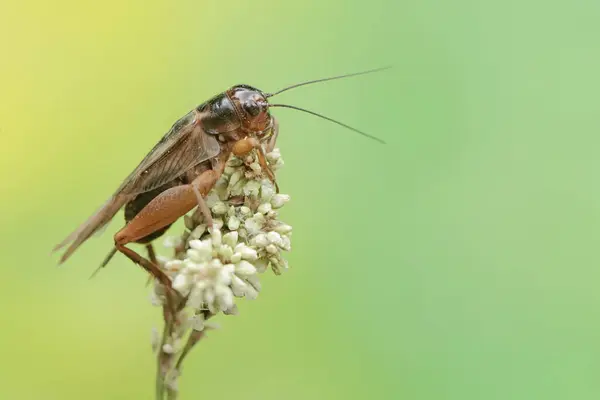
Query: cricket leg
263	164
163	210
244	146
273	139
151	253
153	270
144	263
152	258
203	207
107	259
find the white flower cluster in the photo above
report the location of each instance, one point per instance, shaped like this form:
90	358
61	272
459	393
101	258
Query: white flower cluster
246	239
211	267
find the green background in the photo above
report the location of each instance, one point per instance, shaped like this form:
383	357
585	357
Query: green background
459	261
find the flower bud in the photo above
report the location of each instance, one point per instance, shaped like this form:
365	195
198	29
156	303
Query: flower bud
279	200
283	229
274	237
230	239
233	223
219	208
245	268
264	208
260	240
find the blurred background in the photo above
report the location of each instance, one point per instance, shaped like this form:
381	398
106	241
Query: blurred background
459	261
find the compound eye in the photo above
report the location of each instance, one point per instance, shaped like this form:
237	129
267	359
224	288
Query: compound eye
252	108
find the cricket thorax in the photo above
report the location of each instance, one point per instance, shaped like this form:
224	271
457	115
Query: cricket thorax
219	115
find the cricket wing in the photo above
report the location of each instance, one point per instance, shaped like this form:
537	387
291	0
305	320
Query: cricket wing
94	223
183	147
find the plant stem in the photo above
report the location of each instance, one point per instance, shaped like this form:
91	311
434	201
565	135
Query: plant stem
160	371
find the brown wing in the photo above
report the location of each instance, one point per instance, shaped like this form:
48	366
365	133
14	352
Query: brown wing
183	147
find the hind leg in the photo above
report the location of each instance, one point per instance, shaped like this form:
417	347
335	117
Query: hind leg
152	258
149	266
163	210
151	253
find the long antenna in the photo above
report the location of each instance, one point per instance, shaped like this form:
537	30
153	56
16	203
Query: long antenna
326	79
328	119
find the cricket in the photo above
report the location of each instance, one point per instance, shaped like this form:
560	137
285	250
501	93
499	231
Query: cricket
181	169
